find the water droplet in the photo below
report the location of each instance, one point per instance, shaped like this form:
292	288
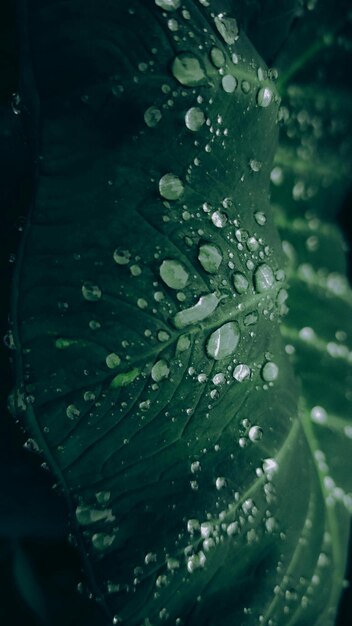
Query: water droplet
168	5
142	303
245	86
122	257
205	306
319	415
227	27
219	219
196	561
183	343
223	341
103	496
72	412
229	83
255	165
135	270
171	187
173	25
112	360
187	69
270	466
220	482
124	379
240	282
163	336
102	541
263	278
174	274
91	292
264	96
260	218
194	119
86	515
160	370
255	433
217	57
152	116
210	257
219	379
241	372
270	371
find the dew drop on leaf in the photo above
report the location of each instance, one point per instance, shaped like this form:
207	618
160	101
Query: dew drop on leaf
210	257
152	116
260	218
255	433
174	274
112	360
86	515
240	282
194	119
270	371
91	292
263	278
122	257
264	97
223	341
170	187
205	306
217	57
219	219
168	5
102	541
160	370
72	412
319	415
188	71
241	372
183	343
229	83
227	27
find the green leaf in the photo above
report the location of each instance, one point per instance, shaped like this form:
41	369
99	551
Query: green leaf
150	365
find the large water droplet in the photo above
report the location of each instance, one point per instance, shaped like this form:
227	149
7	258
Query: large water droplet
263	278
205	306
223	341
229	83
91	292
227	27
168	5
210	257
194	118
270	371
240	282
171	187
152	116
264	96
174	274
187	69
160	370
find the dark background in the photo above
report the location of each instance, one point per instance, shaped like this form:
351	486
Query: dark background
41	582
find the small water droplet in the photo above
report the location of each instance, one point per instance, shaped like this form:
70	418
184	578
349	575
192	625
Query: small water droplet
229	83
187	69
91	292
194	119
205	306
260	218
160	370
210	257
72	412
255	433
174	274
319	415
122	257
183	343
168	5
255	165
241	372
152	116
135	270
240	282
245	86
219	219
223	341
263	278
170	187
87	515
270	371
102	541
220	482
227	27
264	96
112	360
217	57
